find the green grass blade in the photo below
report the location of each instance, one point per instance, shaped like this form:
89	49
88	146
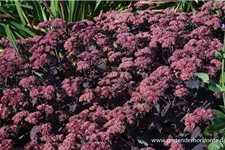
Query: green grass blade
21	5
54	7
41	15
72	7
19	10
97	5
11	37
21	27
82	10
2	32
4	11
76	11
19	35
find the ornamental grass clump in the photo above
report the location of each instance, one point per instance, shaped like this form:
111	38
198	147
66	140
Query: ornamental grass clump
117	81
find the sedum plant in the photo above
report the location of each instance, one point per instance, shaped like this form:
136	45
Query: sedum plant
115	82
217	126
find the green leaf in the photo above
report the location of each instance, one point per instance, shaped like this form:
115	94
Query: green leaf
7	12
115	45
72	6
217	120
19	10
203	76
38	74
218	128
82	11
76	11
214	87
219	114
22	5
18	35
142	142
54	7
219	54
222	107
208	130
98	2
21	27
39	11
11	37
216	145
221	78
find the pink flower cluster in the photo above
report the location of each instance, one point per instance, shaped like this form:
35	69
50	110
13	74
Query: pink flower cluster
174	145
197	116
28	82
190	59
71	86
114	84
10	63
20	116
181	91
13	97
4	111
153	87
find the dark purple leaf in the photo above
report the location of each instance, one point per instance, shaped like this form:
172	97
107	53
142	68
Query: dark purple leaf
33	133
165	109
134	148
200	146
73	107
195	133
85	84
157	106
193	84
34	101
103	66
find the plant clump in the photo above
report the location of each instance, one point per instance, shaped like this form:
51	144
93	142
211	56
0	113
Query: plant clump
115	81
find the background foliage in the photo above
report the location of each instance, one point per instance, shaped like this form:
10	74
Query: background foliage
18	19
183	5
